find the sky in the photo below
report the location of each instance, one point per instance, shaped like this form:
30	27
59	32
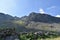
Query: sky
25	7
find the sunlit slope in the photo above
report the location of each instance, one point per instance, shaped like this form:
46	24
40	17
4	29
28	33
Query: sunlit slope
34	21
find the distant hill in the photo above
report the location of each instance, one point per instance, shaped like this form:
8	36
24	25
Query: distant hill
32	22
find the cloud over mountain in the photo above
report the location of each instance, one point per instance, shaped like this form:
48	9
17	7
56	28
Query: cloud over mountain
41	11
58	16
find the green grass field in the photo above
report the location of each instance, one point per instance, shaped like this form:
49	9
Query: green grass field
58	38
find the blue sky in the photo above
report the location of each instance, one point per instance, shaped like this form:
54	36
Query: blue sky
24	7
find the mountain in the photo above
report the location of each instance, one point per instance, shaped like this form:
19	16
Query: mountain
7	17
8	21
38	17
42	22
32	22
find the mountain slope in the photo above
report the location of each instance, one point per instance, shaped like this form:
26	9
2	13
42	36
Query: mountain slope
8	21
42	22
32	22
37	17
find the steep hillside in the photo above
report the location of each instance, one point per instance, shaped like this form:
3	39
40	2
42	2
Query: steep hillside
38	17
8	21
42	22
32	22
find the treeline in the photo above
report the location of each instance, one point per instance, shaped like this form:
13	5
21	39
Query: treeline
7	32
4	32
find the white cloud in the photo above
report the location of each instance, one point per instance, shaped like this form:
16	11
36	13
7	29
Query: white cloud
41	11
57	16
52	7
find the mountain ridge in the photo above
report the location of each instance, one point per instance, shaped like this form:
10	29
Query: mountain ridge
34	21
37	17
